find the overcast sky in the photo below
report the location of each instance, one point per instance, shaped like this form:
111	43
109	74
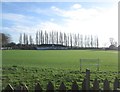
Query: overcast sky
87	18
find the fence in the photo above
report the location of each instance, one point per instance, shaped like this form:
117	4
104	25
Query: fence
74	88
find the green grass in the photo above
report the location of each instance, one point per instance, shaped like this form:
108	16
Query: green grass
30	66
58	58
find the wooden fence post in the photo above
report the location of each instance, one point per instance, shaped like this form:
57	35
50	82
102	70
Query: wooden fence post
95	85
21	88
9	88
24	88
38	87
50	87
75	87
116	84
18	88
106	85
87	79
84	84
62	87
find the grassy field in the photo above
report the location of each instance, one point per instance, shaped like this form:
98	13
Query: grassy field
30	66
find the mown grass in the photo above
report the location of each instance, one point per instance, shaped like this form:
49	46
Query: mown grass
58	58
30	66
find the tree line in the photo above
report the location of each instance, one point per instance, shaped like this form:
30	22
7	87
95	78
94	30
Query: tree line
54	37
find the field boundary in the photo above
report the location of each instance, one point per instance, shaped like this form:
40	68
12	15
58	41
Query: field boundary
90	60
62	87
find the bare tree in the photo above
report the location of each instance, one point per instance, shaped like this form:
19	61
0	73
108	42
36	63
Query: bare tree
71	40
78	39
37	38
61	38
68	39
5	38
26	39
65	39
91	41
88	41
112	41
41	37
31	40
81	40
97	41
46	37
52	35
20	39
75	40
57	36
85	41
